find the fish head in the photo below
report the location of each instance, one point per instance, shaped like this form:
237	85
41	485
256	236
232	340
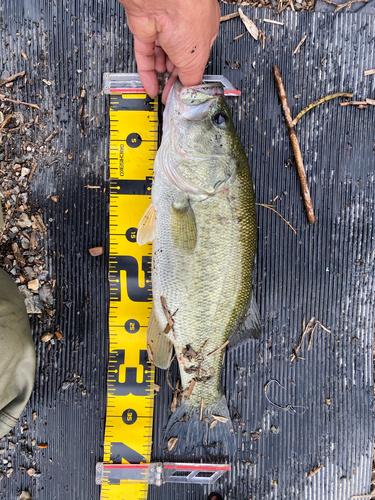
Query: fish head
199	139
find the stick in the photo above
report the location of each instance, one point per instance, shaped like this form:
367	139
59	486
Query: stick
320	101
219	348
353	103
305	331
276	212
298	48
273	22
369	72
342	5
229	16
202	406
239	36
295	145
51	135
8	117
19	102
364	496
12	78
315	471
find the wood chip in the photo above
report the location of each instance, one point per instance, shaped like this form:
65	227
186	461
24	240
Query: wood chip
42	445
368	72
314	471
167	315
229	16
371	101
172	443
46	337
150	353
219	348
213	423
18	255
23	54
55	198
157	387
298	48
201	412
38	223
189	390
272	22
223	420
96	251
59	335
47	82
250	26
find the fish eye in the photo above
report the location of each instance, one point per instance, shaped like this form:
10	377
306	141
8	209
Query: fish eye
220	119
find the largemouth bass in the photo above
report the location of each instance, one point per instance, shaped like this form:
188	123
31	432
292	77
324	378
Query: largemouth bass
203	226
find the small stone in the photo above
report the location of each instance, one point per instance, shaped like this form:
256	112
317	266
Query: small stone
24	171
11	446
65	385
45	295
255	436
33	442
31	471
274	429
5	461
9	472
55	198
25	495
46	337
25	243
29	273
96	251
24	221
33	285
34	416
2	451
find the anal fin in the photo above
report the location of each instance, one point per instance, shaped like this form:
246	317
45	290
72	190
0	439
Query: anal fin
250	326
158	345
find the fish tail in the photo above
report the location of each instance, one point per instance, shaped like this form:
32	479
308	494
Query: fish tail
198	433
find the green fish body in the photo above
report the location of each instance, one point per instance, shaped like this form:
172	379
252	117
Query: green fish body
203	225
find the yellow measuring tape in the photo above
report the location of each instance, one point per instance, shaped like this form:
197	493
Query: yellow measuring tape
130	400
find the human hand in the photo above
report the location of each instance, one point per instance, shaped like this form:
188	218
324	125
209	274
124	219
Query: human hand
174	36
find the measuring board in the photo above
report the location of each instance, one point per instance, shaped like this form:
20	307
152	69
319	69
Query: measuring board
128	432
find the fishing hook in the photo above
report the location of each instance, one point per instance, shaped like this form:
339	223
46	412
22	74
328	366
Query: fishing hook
289	408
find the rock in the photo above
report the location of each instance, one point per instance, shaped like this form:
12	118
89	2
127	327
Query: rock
25	495
29	273
32	302
25	243
33	285
45	295
24	171
24	221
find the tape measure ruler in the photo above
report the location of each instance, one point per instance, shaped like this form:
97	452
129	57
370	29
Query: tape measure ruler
126	470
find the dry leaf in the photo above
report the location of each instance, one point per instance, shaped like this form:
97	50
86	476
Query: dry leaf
250	26
172	443
213	423
59	335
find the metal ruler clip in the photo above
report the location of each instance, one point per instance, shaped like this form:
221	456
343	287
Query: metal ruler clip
159	473
130	83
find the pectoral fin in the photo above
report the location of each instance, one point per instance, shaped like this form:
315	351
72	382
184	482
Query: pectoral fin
249	327
147	227
183	227
158	345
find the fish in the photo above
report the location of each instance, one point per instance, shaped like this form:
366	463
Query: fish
202	223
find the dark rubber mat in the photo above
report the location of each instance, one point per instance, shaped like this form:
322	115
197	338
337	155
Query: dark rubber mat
325	271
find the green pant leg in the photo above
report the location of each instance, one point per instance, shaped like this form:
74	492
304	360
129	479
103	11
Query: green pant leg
17	354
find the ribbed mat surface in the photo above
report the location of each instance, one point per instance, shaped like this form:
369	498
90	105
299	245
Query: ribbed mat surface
324	271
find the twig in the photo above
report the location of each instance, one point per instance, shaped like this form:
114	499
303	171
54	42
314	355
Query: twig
229	16
12	78
239	36
369	72
8	117
167	376
321	101
364	496
305	332
291	5
187	392
276	212
315	471
273	22
353	103
318	323
204	345
201	412
370	101
295	145
298	48
19	102
51	135
340	6
218	349
167	315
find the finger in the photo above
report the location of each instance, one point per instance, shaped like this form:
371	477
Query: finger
168	86
160	59
145	56
170	65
